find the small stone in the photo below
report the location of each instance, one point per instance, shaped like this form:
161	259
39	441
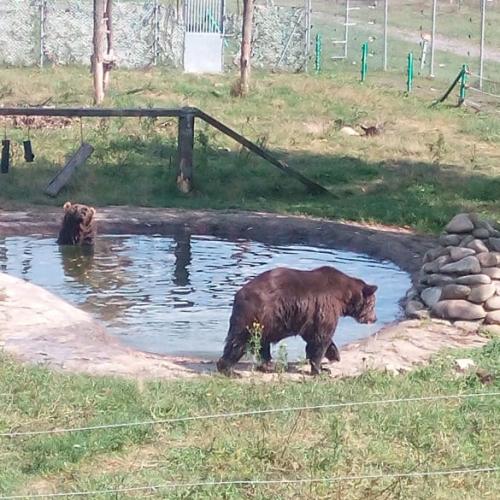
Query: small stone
461	223
481	233
473	279
412	293
434	253
466	240
494	244
438	279
450	240
431	295
415	309
468	326
492	272
488	259
497	285
484	224
468	265
493	304
458	253
458	309
478	246
349	131
455	292
435	265
493	318
462	365
481	293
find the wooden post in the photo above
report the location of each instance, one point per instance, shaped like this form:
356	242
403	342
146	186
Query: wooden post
62	177
246	47
99	50
185	147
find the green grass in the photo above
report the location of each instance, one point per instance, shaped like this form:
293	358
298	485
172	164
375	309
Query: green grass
416	436
428	164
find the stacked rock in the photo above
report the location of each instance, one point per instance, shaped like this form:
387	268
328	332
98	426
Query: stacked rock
460	279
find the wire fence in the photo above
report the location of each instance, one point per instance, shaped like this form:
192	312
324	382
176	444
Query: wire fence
263	482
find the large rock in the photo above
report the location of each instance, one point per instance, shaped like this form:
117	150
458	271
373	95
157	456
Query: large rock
482	293
468	265
416	310
430	296
481	233
492	272
494	244
450	240
493	318
461	223
488	259
493	304
458	253
466	240
438	279
455	292
435	265
473	279
458	309
478	246
434	253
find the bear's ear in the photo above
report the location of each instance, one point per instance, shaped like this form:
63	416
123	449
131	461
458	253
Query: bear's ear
369	290
67	206
92	212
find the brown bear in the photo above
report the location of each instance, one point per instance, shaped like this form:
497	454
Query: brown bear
78	225
286	302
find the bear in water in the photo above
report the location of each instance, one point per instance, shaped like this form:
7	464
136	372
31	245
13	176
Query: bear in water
286	302
78	225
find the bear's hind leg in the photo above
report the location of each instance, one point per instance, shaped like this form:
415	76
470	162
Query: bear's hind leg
233	352
315	352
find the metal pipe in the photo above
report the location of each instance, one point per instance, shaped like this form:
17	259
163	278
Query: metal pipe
481	46
386	13
433	36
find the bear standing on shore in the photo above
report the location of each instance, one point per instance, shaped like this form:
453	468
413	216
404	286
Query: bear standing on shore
286	302
78	225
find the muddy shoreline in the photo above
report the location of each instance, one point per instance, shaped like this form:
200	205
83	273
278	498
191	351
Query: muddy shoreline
37	327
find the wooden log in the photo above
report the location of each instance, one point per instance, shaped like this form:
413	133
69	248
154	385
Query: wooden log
109	57
185	147
246	47
98	41
62	178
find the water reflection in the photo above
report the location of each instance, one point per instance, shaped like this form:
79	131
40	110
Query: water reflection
174	295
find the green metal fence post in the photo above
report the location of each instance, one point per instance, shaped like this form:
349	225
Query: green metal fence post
463	85
409	73
318	53
364	64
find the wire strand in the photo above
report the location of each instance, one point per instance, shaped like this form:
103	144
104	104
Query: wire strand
249	482
247	413
485	93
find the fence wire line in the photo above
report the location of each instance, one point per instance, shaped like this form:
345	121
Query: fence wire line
248	413
479	91
475	75
249	482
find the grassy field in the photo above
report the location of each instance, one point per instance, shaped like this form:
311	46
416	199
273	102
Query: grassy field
399	437
426	166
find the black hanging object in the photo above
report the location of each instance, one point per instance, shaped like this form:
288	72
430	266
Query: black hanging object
4	165
28	152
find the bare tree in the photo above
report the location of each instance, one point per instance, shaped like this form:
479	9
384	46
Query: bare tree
246	48
102	59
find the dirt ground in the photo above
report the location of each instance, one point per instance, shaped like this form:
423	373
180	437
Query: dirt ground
38	327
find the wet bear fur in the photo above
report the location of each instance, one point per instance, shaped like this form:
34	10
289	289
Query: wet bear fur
287	302
78	226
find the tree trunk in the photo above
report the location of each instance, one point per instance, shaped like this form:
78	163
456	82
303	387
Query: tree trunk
99	41
246	47
108	59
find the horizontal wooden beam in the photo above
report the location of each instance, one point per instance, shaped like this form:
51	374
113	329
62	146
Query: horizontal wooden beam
98	112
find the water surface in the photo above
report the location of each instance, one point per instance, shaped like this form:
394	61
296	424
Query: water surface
173	295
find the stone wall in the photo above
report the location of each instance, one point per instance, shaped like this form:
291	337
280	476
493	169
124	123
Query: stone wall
460	278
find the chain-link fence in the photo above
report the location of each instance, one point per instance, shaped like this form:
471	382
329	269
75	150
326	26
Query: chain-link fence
40	32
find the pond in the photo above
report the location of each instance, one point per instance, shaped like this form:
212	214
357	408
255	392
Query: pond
173	295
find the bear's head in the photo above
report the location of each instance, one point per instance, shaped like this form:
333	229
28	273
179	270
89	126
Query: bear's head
78	225
362	304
